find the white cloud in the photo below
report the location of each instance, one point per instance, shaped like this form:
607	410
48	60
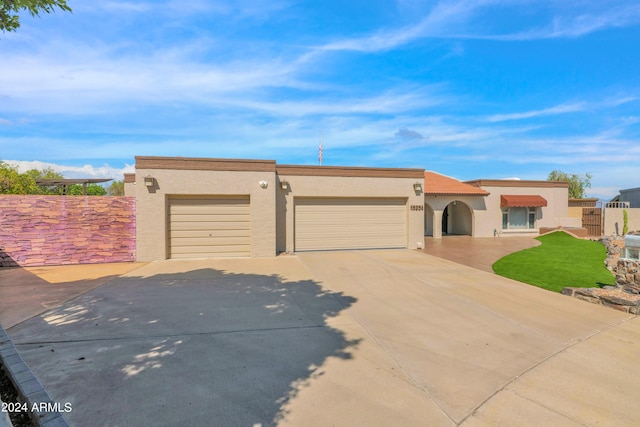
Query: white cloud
558	109
457	20
581	24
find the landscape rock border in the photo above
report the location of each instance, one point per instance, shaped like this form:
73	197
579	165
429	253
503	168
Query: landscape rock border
625	296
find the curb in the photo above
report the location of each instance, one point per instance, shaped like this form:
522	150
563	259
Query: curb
27	385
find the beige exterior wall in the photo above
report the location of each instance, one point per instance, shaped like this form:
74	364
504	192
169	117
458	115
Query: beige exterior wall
555	214
309	182
575	212
152	202
130	184
614	223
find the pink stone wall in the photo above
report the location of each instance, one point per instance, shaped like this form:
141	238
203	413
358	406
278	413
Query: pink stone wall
56	230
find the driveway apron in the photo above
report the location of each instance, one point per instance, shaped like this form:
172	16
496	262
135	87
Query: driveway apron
463	335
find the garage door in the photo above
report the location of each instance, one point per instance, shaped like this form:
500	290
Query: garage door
360	223
209	227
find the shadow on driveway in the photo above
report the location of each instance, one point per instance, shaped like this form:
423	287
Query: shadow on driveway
201	347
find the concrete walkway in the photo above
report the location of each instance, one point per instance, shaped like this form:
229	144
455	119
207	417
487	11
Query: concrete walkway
27	292
476	252
333	338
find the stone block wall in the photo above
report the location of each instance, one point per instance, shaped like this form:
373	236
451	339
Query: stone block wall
57	230
628	275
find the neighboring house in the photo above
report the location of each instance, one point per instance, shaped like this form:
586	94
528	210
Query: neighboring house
202	207
576	206
632	196
629	201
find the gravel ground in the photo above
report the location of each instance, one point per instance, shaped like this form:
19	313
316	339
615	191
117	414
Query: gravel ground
8	394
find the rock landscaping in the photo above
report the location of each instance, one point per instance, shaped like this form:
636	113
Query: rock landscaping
625	296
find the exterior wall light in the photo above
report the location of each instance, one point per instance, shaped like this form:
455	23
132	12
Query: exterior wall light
284	185
264	184
149	181
417	186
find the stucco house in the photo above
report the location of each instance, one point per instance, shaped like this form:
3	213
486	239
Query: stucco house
489	207
628	198
195	207
204	207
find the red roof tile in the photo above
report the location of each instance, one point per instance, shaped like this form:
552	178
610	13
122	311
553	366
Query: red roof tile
436	184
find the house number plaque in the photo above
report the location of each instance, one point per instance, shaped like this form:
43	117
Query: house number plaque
417	207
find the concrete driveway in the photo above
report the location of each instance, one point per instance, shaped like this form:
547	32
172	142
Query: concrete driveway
477	252
333	338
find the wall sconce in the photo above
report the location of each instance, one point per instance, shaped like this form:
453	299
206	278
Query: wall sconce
264	184
417	186
284	185
149	181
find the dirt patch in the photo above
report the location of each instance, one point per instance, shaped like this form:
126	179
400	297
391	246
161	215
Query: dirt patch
8	394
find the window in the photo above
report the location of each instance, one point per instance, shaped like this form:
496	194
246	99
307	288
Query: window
518	218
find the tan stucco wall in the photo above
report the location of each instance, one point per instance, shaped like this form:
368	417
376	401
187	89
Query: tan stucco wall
575	212
614	223
555	214
151	207
129	184
335	186
130	189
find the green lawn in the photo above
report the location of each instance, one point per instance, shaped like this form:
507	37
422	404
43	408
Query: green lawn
560	261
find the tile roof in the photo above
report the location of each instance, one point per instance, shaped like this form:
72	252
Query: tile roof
436	184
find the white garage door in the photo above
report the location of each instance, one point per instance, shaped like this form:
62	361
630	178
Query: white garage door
350	223
209	227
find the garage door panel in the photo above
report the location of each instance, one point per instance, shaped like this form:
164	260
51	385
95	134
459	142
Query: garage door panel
214	217
206	209
213	226
228	253
357	223
185	242
192	201
218	233
209	227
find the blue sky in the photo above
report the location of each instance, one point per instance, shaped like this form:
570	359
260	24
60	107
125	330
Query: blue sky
469	88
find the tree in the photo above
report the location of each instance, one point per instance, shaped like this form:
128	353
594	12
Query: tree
92	190
46	173
578	184
116	188
12	182
9	9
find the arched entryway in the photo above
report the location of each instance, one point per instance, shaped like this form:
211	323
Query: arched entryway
457	219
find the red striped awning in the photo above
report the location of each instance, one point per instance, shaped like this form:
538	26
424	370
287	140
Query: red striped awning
511	201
